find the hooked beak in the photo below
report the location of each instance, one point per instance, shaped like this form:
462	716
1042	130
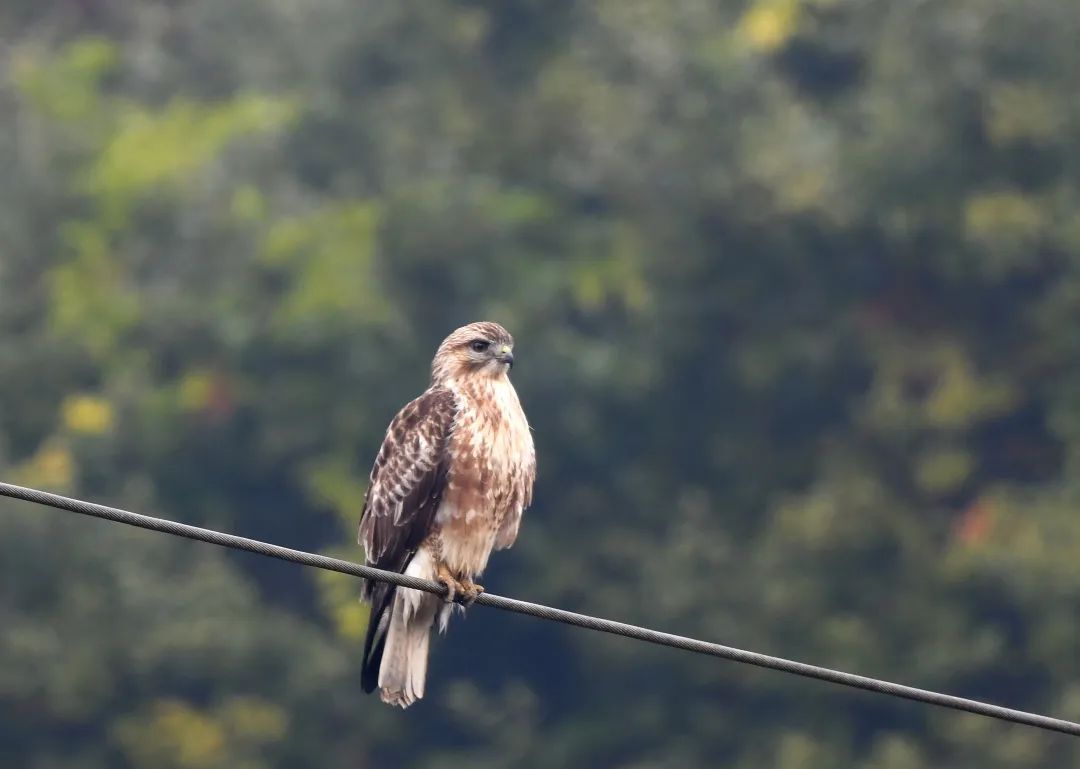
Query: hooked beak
506	356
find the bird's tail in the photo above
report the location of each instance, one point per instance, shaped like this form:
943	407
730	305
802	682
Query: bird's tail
402	645
381	597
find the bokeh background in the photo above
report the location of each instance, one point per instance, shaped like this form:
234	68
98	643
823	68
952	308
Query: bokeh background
795	285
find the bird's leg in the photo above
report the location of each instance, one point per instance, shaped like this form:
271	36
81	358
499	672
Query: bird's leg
470	591
453	587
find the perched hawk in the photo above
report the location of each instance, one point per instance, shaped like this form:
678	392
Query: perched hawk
449	485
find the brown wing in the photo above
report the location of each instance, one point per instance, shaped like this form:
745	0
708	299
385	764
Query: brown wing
407	481
406	485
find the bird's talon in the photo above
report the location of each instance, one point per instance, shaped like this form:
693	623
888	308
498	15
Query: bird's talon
453	587
470	591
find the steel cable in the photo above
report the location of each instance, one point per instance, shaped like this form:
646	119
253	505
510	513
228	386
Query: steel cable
543	612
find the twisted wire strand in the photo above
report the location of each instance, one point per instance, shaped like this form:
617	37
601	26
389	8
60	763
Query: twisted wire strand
543	612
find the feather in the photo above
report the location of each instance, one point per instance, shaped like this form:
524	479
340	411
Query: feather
407	482
403	669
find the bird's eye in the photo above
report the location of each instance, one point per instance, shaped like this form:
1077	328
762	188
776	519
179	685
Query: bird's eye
479	345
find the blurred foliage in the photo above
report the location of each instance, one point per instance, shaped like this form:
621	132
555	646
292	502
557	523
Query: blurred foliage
794	283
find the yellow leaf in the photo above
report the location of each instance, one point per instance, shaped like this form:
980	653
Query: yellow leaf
943	471
1002	214
769	25
253	718
175	735
52	467
195	390
963	397
88	414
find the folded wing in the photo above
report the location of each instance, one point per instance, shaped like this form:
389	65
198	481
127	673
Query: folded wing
406	486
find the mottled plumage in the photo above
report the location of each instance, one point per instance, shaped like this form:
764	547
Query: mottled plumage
449	485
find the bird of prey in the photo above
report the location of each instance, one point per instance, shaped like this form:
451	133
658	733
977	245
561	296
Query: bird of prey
449	485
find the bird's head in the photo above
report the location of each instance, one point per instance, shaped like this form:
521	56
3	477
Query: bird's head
483	348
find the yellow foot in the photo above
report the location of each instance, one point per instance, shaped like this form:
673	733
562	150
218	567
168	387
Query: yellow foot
453	587
470	591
